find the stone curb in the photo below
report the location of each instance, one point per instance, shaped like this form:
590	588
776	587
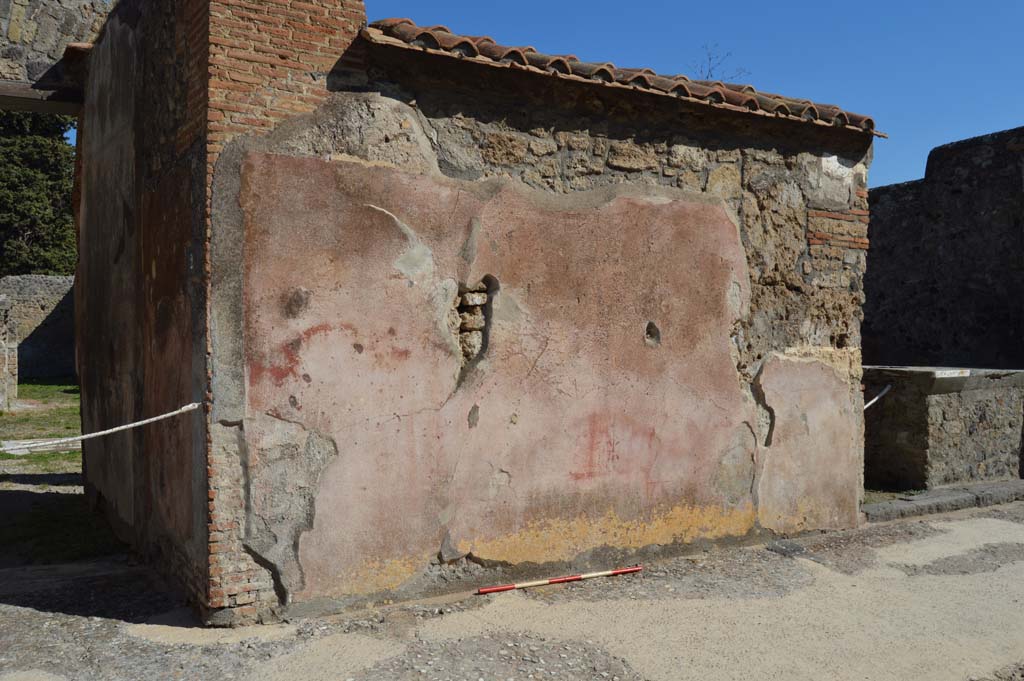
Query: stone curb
946	499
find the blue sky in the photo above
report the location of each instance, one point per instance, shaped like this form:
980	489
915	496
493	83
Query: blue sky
929	73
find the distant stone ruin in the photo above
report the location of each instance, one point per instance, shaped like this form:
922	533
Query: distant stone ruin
42	324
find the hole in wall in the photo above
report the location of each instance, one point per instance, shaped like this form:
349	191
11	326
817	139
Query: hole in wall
652	335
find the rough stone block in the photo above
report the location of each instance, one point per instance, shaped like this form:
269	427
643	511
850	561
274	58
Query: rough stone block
504	149
471	343
724	181
473	320
631	156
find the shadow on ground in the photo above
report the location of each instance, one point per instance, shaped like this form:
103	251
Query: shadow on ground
42	479
59	556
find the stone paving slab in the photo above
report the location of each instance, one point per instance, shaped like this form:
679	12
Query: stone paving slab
946	499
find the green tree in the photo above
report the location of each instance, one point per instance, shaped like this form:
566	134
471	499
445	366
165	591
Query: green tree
37	166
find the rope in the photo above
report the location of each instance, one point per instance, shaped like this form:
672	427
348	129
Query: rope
28	447
878	396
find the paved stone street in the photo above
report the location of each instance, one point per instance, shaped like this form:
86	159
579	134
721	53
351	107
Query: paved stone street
932	598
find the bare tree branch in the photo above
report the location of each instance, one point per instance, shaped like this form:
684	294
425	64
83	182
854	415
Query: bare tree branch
712	65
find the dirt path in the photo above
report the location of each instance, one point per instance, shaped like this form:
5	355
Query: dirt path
936	599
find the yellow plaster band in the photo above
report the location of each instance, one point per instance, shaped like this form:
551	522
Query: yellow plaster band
563	540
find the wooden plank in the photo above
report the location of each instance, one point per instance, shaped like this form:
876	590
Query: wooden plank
22	96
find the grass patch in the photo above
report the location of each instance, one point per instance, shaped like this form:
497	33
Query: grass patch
48	462
55	414
49	390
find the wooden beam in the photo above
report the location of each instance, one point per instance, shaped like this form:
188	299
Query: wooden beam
22	96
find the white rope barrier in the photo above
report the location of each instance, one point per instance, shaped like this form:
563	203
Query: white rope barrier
878	396
27	447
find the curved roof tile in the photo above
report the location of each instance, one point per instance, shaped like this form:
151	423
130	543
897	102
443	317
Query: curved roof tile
737	97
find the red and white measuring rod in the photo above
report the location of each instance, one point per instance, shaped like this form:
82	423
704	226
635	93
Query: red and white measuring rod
559	580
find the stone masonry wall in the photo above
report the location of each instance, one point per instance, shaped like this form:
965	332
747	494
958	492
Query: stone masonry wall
943	427
975	435
33	34
946	277
42	313
8	356
797	193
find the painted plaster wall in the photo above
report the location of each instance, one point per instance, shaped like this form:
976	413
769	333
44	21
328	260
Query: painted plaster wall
571	415
362	450
141	301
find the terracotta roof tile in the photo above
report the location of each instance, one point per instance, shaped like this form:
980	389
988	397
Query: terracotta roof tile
483	49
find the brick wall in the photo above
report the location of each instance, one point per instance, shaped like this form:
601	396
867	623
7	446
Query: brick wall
270	60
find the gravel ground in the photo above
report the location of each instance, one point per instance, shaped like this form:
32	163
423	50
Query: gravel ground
506	657
80	622
1012	673
738	572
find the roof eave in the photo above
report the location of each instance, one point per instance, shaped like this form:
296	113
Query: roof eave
378	37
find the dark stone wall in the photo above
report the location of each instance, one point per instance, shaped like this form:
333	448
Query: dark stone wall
141	294
43	324
945	278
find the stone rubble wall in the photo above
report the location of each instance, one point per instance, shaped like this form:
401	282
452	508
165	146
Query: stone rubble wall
975	436
802	210
33	33
43	324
